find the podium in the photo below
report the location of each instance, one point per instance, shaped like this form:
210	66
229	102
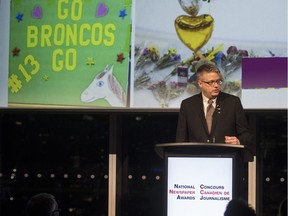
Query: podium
201	178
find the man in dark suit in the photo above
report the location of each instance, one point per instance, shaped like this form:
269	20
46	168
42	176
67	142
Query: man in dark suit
229	123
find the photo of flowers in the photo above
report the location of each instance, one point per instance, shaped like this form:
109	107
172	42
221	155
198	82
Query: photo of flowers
176	35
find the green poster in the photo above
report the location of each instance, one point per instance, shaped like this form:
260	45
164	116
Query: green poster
69	52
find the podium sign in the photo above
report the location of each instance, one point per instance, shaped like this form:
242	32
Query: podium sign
198	186
201	178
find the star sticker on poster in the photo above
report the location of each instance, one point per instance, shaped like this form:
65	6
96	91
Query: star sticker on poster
120	57
19	17
90	61
45	77
16	51
122	13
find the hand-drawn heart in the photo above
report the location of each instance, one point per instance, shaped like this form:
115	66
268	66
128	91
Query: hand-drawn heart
37	12
194	32
102	10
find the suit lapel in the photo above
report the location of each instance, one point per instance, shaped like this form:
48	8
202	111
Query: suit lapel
202	114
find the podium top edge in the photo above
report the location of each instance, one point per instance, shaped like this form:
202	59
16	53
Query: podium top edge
159	148
187	144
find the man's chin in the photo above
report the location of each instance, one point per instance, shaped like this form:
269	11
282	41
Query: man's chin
215	94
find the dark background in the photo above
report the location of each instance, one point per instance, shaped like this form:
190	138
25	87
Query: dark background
65	152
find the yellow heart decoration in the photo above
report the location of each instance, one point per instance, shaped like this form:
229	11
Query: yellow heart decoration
194	32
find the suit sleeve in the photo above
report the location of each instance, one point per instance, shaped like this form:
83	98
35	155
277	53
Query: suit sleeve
181	133
242	127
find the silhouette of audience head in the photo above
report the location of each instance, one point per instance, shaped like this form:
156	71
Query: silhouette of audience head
282	211
239	207
42	204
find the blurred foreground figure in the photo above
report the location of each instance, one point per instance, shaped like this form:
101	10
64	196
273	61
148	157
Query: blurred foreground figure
42	204
239	207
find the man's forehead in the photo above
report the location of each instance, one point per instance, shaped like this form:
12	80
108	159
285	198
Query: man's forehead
207	73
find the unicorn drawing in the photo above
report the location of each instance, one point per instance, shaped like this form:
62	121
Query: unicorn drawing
106	86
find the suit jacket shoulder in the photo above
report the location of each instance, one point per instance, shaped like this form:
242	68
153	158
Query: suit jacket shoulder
225	97
194	98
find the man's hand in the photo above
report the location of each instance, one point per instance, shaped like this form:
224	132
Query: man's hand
232	140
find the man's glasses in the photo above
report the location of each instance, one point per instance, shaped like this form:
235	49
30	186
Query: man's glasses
213	82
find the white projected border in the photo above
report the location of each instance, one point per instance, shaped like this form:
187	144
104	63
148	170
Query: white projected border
4	44
265	98
189	182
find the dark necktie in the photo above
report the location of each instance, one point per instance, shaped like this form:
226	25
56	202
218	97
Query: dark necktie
209	113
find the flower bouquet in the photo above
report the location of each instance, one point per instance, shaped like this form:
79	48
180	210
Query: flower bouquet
142	81
168	59
149	55
164	92
231	61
